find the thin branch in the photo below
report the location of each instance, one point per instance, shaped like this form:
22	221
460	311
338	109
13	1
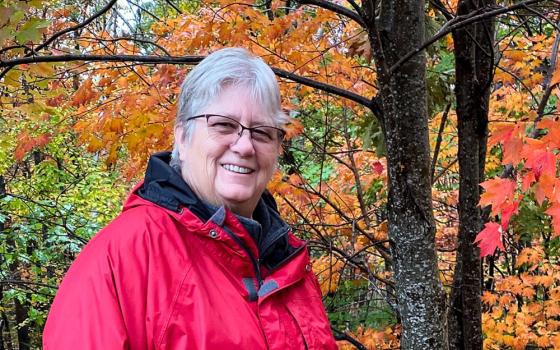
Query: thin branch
444	170
458	22
547	83
438	141
144	10
357	8
339	335
20	282
336	9
442	9
170	3
76	27
142	41
364	101
540	15
62	32
13	47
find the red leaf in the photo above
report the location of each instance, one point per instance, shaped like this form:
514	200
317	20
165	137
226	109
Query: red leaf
507	211
26	143
489	239
554	212
539	159
377	167
527	181
497	192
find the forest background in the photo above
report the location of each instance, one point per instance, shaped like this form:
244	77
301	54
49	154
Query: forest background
421	163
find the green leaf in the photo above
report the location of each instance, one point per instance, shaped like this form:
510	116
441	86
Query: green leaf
32	30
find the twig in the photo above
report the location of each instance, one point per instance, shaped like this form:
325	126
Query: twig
336	9
339	335
438	141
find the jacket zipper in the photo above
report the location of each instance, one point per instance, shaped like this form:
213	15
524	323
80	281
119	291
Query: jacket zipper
256	262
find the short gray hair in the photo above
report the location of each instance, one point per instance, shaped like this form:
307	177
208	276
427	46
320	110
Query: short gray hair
223	68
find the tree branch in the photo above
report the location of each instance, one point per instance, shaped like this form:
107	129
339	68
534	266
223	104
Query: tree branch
192	60
364	101
339	335
458	22
439	139
170	3
74	28
336	9
547	85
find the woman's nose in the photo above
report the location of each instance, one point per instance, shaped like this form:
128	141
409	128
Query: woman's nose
244	144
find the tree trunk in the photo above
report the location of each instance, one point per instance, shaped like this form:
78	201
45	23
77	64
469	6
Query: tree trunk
403	97
474	61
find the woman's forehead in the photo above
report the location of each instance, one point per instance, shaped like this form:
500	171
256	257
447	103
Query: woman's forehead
239	103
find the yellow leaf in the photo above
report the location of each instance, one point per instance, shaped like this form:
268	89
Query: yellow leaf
12	78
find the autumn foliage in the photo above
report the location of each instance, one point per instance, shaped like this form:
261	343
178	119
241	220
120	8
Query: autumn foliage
78	119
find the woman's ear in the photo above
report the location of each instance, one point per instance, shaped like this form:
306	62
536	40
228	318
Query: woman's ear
180	141
178	133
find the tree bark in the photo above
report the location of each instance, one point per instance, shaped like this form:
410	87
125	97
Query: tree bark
474	61
403	92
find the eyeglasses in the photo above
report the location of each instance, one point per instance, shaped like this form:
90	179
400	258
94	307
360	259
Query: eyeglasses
226	129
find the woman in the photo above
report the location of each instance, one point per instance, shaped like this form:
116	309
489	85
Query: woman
199	258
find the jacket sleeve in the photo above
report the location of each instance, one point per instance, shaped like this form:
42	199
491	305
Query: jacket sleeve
86	312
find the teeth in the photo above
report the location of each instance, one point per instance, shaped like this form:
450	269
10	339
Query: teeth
237	169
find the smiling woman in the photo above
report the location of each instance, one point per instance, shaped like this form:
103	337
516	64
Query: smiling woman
199	257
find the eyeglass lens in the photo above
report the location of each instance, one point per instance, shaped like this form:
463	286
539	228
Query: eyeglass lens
227	129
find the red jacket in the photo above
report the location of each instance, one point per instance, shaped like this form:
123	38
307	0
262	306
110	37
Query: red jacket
156	278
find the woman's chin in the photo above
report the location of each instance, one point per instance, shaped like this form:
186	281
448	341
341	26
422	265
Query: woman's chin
240	201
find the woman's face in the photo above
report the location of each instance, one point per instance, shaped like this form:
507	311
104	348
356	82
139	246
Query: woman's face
234	174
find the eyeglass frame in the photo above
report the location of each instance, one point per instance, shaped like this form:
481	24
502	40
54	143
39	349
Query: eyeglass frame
282	132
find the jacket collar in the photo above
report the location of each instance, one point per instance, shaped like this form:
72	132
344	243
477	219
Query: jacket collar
166	188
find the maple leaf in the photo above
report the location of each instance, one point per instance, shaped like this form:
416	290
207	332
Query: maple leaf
512	151
527	181
539	159
501	133
377	167
497	192
294	128
554	212
489	239
552	137
507	211
489	298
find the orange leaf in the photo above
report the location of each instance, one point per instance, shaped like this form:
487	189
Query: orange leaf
294	128
512	151
497	192
527	181
489	239
544	188
489	298
556	76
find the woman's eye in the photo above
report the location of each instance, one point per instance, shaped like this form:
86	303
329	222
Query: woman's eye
225	126
261	135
